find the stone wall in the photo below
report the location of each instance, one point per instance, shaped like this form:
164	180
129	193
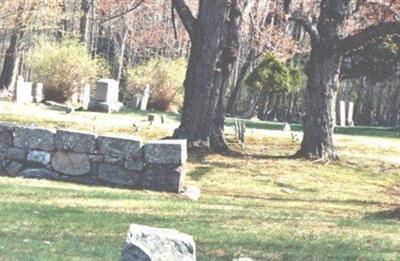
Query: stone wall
87	158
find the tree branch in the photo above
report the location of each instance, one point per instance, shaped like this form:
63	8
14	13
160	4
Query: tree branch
186	15
370	33
308	26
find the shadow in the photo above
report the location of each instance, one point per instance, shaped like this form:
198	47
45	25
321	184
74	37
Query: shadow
199	173
384	215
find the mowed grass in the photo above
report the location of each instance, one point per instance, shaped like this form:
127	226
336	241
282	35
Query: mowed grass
261	205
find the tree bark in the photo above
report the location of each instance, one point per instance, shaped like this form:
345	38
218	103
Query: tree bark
214	37
84	21
11	63
12	56
239	83
320	105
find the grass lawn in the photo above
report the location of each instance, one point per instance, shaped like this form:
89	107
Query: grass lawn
262	205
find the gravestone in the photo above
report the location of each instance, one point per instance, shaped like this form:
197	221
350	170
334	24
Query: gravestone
106	97
85	96
342	114
136	100
350	114
145	98
38	92
23	91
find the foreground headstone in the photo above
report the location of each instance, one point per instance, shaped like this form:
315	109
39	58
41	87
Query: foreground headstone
145	243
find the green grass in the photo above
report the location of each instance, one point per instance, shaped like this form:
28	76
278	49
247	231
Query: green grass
262	206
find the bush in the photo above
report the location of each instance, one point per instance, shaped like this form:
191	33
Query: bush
165	77
63	68
272	75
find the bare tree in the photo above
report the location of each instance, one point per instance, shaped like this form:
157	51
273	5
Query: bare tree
330	40
215	41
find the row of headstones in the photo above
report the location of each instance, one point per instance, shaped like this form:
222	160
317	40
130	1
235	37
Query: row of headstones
106	95
346	119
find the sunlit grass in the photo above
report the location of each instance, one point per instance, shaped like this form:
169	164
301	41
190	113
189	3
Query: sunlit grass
258	205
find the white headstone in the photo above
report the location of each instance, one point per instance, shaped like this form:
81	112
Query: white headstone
342	114
85	96
107	90
145	98
23	91
38	92
136	100
350	114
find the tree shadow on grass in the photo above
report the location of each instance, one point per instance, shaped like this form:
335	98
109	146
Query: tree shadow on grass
393	213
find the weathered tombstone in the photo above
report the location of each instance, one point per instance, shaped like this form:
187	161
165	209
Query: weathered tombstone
145	243
107	90
38	92
23	91
286	127
151	118
85	96
145	98
163	119
350	114
106	97
342	114
136	100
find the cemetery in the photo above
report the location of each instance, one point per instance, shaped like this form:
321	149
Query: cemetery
207	130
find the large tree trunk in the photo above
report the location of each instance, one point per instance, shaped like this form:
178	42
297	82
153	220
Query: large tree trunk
323	80
12	56
214	38
11	63
329	42
84	21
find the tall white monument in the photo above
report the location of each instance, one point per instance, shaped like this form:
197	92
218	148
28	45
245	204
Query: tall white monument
145	98
342	114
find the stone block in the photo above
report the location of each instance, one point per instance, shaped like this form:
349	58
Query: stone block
167	178
34	138
6	139
145	243
5	126
14	168
134	165
71	163
15	154
119	148
96	158
39	157
39	174
105	107
119	176
76	141
166	152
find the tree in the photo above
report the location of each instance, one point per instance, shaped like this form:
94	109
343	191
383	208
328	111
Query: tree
330	41
215	42
12	56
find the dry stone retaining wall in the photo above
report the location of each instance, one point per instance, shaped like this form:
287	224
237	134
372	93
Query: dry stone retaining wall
90	159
